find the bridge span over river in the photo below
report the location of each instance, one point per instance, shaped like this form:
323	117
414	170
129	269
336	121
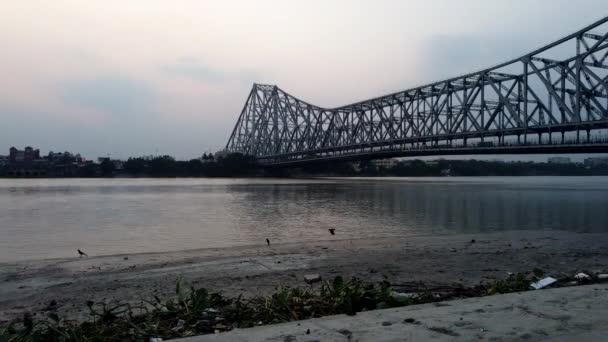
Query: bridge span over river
551	100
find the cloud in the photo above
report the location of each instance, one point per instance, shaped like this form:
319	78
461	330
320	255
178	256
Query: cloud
109	94
453	55
196	69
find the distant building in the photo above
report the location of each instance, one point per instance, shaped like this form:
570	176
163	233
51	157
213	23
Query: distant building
119	165
26	162
114	166
559	160
446	172
595	162
386	163
23	156
29	163
64	158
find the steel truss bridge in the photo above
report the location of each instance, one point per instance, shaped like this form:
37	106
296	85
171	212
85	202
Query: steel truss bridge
552	100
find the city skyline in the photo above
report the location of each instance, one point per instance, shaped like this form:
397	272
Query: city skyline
126	79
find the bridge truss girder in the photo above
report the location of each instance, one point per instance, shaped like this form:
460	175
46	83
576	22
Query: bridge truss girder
535	93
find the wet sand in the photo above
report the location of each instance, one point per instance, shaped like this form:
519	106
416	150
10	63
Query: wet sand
437	261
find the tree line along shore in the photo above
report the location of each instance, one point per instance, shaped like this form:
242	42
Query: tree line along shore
238	165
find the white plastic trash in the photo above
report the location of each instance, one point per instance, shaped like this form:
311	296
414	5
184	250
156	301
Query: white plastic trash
543	283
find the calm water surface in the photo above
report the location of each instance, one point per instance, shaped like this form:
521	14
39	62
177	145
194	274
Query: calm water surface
52	217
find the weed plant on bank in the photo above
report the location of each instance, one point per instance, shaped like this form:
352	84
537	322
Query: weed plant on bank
195	311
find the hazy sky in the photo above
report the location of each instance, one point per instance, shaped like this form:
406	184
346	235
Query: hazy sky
139	77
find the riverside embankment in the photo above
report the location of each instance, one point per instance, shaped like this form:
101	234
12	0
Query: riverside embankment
438	262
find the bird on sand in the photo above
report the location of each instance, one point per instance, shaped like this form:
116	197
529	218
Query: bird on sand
332	231
81	253
268	242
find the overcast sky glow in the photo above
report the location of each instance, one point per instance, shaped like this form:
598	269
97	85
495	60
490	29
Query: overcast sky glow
140	77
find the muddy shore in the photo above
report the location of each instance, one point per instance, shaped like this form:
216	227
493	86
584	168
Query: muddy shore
437	262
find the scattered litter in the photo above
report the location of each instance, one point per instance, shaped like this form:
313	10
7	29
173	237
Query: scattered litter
307	331
403	296
602	276
156	339
179	326
220	327
582	276
125	258
312	278
386	323
543	283
462	324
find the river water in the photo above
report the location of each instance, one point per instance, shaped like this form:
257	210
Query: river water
48	218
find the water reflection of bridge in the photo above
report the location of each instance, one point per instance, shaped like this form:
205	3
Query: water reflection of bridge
370	208
552	100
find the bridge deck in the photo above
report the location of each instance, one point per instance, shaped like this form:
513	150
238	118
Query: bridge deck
444	151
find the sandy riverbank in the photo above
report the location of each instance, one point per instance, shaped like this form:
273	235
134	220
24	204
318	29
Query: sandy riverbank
436	261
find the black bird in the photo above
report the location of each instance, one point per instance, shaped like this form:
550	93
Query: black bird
81	253
268	242
332	231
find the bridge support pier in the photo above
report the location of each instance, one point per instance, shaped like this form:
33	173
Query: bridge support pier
588	135
562	137
540	136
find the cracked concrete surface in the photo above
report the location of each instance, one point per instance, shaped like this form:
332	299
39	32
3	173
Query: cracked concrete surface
563	314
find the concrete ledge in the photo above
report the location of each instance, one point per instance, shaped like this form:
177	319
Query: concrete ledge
564	314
